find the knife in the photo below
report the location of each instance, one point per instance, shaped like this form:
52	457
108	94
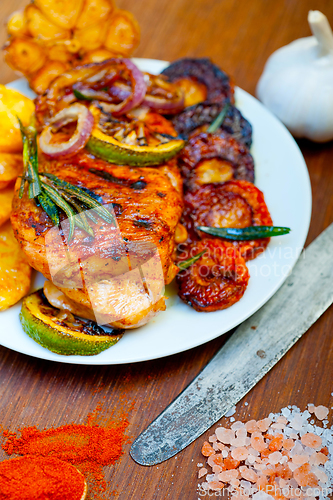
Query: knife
245	358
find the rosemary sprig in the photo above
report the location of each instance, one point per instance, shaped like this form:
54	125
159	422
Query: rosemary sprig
30	160
219	119
184	264
245	233
82	196
54	194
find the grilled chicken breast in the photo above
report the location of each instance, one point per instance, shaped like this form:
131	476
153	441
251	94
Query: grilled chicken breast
147	203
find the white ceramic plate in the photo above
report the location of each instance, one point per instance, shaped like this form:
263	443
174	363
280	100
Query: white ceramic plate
282	175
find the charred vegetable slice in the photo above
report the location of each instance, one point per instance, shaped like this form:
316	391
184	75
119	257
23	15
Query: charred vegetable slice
134	143
61	332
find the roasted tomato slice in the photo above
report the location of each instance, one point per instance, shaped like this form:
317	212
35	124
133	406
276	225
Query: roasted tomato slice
231	204
201	80
209	158
204	113
217	280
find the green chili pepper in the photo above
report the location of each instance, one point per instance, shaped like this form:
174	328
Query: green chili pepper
245	233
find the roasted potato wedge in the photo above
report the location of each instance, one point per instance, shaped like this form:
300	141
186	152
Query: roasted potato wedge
94	11
63	13
13	105
15	272
123	34
24	55
40	82
6	198
11	166
17	24
59	52
98	55
92	37
69	32
41	28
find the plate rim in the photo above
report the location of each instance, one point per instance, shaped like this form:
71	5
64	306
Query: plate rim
93	360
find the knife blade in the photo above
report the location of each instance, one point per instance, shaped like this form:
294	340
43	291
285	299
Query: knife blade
245	358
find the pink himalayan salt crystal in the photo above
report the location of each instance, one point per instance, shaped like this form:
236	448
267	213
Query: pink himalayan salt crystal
311	440
251	426
237	425
278	426
304	477
264	424
224	435
262	482
241	433
215	447
321	412
212	438
202	472
275	457
282	420
288	444
215	485
311	408
318	458
215	459
238	442
257	441
240	453
216	469
234	482
248	474
300	459
228	475
220	446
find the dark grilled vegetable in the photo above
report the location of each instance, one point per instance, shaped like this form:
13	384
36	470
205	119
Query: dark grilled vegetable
209	158
205	113
217	83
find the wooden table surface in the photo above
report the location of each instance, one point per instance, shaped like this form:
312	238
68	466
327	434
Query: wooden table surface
239	36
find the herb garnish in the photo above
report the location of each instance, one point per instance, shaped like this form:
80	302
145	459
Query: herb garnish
53	193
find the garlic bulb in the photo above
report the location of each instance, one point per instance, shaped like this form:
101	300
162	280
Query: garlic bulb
297	82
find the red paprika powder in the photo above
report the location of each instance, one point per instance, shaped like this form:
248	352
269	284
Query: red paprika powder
40	478
88	447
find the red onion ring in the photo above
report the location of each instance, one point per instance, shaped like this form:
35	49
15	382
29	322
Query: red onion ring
159	104
135	97
85	123
165	106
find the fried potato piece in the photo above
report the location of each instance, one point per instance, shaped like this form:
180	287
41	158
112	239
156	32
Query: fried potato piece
24	55
60	52
41	28
123	34
11	165
40	82
94	11
92	37
13	105
17	24
6	199
15	272
97	55
63	13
